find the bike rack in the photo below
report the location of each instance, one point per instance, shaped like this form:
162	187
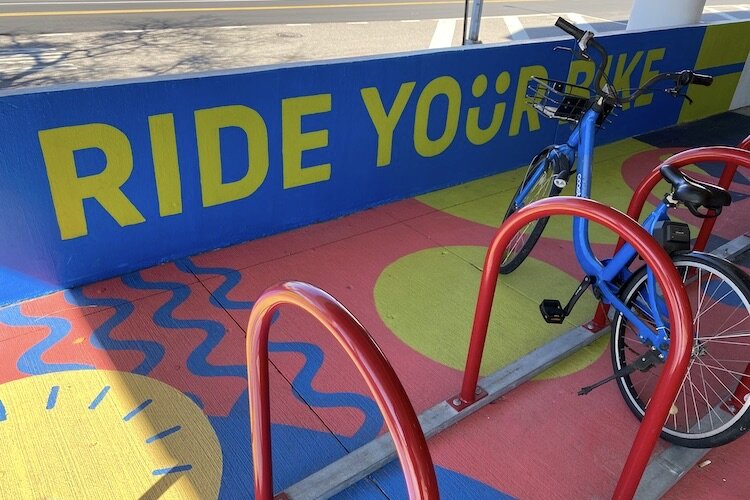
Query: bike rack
370	457
667	468
732	159
677	303
370	361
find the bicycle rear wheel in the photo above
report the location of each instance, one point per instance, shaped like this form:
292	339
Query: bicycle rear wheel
712	407
543	171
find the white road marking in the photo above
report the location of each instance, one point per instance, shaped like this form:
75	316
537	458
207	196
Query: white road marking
709	10
603	19
580	21
443	36
515	27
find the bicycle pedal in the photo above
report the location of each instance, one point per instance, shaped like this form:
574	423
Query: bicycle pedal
552	311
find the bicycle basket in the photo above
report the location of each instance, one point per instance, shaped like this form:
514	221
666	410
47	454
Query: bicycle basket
556	99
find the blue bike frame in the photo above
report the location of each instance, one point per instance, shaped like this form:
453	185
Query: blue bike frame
581	144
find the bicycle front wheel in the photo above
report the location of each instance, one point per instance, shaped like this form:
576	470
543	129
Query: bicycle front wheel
712	407
542	173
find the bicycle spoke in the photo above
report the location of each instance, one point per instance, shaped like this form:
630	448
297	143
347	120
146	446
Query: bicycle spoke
742	334
722	369
718	379
733	326
706	411
708	405
714	304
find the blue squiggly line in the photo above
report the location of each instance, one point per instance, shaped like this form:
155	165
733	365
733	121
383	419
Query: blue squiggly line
304	391
163	317
219	296
31	361
153	352
373	420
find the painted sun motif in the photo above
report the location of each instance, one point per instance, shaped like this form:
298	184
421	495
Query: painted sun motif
104	434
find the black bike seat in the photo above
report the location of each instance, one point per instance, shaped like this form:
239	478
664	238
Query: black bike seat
692	192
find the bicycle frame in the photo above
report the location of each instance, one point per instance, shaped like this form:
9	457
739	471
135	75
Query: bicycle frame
580	144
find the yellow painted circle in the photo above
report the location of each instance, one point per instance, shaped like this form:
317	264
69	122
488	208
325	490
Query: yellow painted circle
428	299
80	434
486	200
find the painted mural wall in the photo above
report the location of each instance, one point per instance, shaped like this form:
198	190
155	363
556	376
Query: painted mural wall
101	180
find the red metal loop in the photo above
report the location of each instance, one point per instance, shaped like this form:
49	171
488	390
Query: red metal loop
678	306
732	157
370	361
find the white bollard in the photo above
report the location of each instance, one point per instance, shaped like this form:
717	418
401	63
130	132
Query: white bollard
647	14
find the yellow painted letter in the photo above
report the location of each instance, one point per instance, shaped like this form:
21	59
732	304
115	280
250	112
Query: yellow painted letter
651	57
69	190
208	125
166	166
623	74
520	107
385	121
578	68
294	141
476	134
422	143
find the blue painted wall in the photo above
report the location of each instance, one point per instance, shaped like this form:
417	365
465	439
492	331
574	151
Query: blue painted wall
102	180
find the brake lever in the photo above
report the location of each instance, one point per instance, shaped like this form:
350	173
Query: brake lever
677	92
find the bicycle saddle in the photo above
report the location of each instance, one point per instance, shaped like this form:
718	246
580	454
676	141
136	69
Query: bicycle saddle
695	194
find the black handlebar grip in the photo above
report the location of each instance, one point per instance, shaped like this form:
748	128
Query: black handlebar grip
705	80
569	28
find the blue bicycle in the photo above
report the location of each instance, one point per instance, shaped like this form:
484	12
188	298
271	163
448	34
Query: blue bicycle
713	405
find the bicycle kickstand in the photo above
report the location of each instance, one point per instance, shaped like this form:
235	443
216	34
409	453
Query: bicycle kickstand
645	362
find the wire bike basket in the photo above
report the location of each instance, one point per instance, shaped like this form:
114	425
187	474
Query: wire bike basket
558	99
564	101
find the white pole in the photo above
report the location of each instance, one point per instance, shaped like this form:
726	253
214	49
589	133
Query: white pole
647	14
476	16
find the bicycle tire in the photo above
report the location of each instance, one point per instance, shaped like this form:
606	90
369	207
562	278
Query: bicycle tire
706	412
515	255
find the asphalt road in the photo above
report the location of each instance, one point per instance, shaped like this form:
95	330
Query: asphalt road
56	16
51	42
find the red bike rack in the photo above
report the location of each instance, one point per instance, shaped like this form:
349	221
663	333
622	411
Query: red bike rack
678	305
405	430
368	358
732	159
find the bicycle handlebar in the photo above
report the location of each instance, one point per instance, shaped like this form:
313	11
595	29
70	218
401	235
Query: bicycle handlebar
681	78
705	80
570	28
586	40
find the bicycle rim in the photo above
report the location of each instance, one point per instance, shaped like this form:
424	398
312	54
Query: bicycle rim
712	406
524	240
